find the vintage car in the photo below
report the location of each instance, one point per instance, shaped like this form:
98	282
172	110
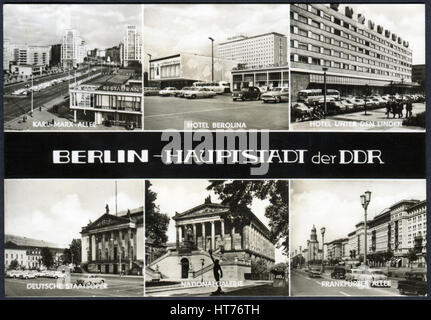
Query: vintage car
151	91
300	111
91	279
339	272
415	283
13	273
250	93
315	271
352	274
276	95
28	275
184	90
347	106
169	91
375	277
199	93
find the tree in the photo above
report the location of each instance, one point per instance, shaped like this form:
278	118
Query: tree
73	253
412	256
47	257
259	266
156	223
14	265
239	195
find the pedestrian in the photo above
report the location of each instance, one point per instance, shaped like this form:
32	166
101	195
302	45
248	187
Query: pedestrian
409	109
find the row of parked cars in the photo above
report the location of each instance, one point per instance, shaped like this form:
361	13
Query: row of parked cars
33	274
186	92
302	110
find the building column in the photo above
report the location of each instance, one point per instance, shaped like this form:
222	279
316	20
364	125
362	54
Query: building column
222	228
204	246
232	232
74	116
194	234
212	235
177	237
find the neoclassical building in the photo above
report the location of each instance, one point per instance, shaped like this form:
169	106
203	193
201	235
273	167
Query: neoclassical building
207	227
114	243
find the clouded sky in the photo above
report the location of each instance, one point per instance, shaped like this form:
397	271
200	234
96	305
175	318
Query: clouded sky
181	195
56	210
101	26
335	205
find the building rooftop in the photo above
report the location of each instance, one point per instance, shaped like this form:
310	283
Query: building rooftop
242	38
29	242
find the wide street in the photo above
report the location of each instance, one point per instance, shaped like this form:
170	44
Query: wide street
116	286
15	106
220	112
357	121
303	285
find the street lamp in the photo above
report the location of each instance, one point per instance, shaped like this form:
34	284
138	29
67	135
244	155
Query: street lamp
32	89
149	65
324	88
365	201
300	258
212	58
322	231
203	263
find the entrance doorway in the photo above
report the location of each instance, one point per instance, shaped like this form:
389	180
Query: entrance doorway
184	268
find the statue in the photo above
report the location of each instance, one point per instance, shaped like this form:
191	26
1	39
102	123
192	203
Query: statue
189	234
107	209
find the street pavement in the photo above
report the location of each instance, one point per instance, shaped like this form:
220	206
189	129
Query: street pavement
220	112
116	287
303	285
249	288
375	120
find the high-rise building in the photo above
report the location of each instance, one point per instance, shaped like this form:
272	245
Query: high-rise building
356	54
131	49
73	49
24	54
263	50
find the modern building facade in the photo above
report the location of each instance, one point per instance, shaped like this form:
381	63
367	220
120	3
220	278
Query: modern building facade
263	50
114	243
73	49
23	54
27	252
131	49
111	99
357	54
184	69
270	77
206	227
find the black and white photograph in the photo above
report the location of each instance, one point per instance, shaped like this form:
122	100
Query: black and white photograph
216	238
358	238
357	67
72	67
74	238
207	69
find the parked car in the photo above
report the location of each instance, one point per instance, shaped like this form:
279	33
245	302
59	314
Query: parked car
90	280
169	91
415	283
299	111
184	90
199	93
28	275
276	95
339	272
352	274
151	91
315	271
360	104
13	273
250	93
373	277
347	106
332	107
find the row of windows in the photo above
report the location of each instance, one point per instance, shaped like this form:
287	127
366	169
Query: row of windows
349	26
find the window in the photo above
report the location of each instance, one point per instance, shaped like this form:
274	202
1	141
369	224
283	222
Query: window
303	59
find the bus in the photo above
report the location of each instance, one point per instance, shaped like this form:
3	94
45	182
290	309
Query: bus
218	87
312	95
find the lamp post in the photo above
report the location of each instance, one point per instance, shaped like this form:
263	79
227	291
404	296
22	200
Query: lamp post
322	231
149	65
203	263
212	58
365	201
32	89
300	258
324	89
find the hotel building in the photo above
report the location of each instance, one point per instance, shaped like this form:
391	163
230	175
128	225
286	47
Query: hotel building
131	48
73	49
356	53
110	99
114	243
268	49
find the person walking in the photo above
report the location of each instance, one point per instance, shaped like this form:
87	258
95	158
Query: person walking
409	108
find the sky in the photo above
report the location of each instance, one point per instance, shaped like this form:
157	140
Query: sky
181	195
335	205
101	26
405	20
56	210
186	27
